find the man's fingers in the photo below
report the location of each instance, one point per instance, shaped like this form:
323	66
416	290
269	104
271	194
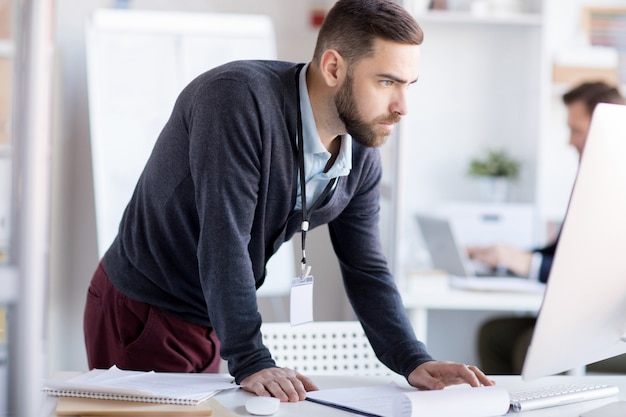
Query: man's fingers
468	375
282	383
482	378
256	388
307	383
438	374
293	388
280	390
430	383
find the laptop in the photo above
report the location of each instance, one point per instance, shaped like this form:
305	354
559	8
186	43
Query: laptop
448	254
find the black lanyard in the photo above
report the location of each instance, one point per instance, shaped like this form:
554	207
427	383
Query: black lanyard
306	214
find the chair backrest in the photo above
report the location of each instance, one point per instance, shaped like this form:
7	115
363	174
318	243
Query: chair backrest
323	348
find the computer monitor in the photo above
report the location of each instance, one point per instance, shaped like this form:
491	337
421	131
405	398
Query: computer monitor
583	316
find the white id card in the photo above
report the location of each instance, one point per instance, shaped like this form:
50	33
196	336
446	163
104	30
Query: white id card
301	300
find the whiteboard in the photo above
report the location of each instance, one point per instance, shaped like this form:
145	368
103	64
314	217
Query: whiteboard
137	64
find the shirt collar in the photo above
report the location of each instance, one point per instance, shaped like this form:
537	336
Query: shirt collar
312	144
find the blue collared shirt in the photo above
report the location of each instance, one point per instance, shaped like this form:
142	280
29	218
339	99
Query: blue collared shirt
316	156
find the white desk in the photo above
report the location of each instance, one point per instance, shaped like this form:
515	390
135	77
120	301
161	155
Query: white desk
432	292
234	400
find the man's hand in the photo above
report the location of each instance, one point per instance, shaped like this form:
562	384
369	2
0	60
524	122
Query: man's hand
439	374
507	256
282	383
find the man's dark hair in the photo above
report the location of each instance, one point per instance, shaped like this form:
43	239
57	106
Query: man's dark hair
592	93
352	26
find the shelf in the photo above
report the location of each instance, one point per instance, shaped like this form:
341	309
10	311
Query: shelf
461	17
8	285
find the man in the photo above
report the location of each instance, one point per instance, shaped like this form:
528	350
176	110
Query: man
222	191
503	342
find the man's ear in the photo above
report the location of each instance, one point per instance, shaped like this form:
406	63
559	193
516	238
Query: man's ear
333	68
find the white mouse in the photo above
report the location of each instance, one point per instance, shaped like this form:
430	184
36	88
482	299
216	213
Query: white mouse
262	406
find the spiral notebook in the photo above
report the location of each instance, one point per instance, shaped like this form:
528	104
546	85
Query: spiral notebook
150	387
88	407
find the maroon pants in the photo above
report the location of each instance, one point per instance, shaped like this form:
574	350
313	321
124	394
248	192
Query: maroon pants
135	335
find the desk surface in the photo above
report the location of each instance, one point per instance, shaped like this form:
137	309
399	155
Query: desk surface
234	400
423	294
434	292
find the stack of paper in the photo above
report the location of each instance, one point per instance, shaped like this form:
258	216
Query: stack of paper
394	401
69	406
148	387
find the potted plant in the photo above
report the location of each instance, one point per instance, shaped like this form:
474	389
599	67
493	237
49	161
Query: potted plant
495	171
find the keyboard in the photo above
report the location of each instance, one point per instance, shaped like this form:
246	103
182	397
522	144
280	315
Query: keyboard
561	394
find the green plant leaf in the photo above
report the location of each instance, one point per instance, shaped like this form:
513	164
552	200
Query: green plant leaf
497	163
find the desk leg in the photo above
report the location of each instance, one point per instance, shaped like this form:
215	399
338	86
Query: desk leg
419	320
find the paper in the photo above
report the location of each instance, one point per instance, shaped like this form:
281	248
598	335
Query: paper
394	401
73	407
164	387
466	402
375	400
301	301
68	406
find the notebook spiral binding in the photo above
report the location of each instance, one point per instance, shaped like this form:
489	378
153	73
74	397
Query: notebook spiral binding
119	397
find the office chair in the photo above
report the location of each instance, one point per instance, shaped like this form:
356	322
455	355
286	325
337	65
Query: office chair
322	348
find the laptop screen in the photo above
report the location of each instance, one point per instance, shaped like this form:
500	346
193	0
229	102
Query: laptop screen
445	251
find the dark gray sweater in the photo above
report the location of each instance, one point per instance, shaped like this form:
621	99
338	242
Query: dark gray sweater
215	201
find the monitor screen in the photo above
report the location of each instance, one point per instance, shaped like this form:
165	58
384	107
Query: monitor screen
583	316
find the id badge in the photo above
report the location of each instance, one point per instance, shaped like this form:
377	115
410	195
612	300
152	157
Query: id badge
301	300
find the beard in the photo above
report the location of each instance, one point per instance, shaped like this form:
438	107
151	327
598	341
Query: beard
361	131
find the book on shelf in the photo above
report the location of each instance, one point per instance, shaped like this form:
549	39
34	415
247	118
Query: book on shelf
140	386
